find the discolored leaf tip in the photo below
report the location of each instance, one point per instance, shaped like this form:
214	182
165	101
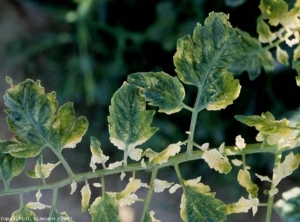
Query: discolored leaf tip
9	81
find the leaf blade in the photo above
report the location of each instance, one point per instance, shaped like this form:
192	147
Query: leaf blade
129	121
160	89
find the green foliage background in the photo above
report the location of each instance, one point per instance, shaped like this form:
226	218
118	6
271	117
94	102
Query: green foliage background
84	50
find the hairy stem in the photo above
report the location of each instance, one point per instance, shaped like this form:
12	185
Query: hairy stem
150	192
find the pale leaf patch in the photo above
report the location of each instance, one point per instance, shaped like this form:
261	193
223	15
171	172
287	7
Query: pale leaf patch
240	142
73	187
245	181
263	178
135	154
237	162
37	206
122	175
163	156
216	161
161	185
243	206
153	219
97	154
115	165
85	197
97	185
174	188
284	169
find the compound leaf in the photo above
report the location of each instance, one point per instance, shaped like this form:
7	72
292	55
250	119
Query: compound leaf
204	59
23	214
104	209
160	89
9	166
198	206
129	121
32	117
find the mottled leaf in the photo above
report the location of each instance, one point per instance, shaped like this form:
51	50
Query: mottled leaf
216	161
197	206
272	10
264	33
160	89
85	197
24	214
204	59
277	131
282	56
10	166
163	156
252	58
129	121
97	153
284	169
243	206
32	117
104	209
245	181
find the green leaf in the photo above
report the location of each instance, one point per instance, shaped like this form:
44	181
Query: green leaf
10	166
201	207
264	32
252	58
160	89
203	61
32	117
288	207
24	215
104	209
273	10
129	121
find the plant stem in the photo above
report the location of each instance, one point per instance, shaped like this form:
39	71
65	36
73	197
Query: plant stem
150	192
195	112
179	158
64	163
103	184
177	170
54	200
271	198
